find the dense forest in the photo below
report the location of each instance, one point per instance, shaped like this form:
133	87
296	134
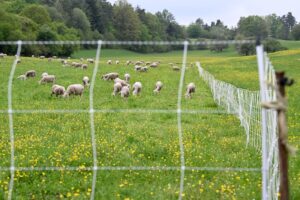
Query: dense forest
99	19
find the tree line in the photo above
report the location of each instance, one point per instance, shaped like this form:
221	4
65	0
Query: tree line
99	19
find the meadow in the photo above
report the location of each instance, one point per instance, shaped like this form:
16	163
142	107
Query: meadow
143	139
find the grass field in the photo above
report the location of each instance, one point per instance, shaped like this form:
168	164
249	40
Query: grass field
137	139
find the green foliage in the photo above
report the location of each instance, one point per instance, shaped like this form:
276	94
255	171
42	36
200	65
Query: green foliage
252	26
36	13
272	45
296	32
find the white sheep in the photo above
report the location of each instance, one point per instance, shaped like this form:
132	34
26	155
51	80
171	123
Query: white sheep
117	62
47	79
158	87
154	64
139	63
147	63
49	59
117	88
30	73
109	62
127	77
176	68
74	89
191	88
125	92
84	66
128	62
110	76
44	74
86	81
137	68
122	82
137	88
90	60
144	69
58	90
22	77
42	57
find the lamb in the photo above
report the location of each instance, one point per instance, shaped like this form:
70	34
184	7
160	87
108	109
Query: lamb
47	79
22	77
44	74
86	81
127	77
109	62
144	69
137	88
90	60
110	76
158	87
137	68
117	62
74	89
125	92
190	89
58	90
30	73
117	88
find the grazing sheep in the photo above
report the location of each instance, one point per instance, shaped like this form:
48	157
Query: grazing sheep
18	60
81	59
144	69
147	63
22	77
42	57
191	88
30	73
154	64
44	74
58	90
128	62
1	55
137	88
47	79
109	62
86	81
49	59
139	63
84	66
74	89
158	87
54	57
118	80
137	68
127	77
110	76
117	62
125	92
176	68
117	88
90	60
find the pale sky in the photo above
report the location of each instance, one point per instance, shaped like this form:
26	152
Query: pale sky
229	11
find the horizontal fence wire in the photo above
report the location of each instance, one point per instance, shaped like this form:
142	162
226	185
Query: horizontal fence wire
95	42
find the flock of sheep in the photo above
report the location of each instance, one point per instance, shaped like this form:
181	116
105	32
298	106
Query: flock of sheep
120	87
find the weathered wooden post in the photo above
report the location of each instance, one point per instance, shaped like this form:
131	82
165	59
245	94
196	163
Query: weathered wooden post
284	148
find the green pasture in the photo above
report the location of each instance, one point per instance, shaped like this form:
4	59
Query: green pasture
137	138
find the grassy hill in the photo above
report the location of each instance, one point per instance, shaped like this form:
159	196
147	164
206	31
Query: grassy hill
137	138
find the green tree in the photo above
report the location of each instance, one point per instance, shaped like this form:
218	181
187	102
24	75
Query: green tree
36	13
296	32
194	30
253	26
81	22
126	22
